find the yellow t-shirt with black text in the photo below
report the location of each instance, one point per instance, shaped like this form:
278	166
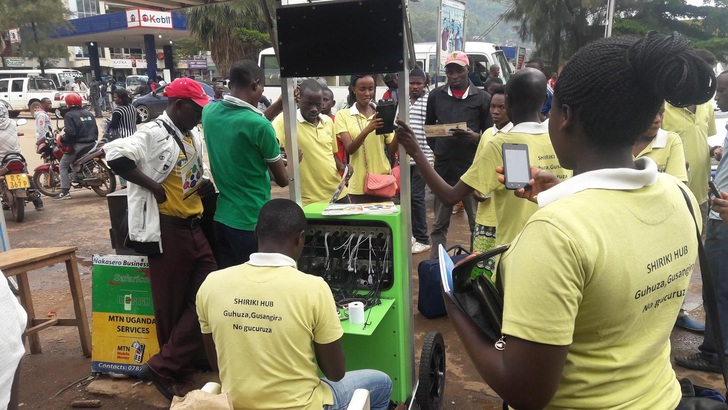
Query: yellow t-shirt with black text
603	272
666	149
263	320
486	210
512	212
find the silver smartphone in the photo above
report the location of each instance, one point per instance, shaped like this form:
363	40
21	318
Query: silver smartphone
516	168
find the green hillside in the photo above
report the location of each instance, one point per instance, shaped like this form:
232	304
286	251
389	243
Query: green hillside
480	15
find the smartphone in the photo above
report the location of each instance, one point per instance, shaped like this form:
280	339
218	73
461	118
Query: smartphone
516	168
714	190
386	110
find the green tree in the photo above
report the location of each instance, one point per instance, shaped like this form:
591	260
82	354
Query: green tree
219	28
37	20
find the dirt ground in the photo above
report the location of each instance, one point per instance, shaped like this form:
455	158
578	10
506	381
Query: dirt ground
59	376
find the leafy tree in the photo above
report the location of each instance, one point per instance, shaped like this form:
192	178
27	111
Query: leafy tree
212	26
37	20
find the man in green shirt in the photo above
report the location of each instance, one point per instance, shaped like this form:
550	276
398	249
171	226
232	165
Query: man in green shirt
242	148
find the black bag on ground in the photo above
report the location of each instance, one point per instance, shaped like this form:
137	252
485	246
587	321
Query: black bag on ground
429	301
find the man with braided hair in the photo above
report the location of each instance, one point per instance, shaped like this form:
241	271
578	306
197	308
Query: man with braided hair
588	309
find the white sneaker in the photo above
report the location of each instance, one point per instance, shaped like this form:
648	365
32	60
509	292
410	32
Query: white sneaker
413	241
420	247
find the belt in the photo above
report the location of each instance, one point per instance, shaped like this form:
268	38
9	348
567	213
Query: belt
191	222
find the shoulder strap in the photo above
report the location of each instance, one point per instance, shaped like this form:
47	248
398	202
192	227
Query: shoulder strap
711	302
173	133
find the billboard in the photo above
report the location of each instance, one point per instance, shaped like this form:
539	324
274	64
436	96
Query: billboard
451	29
148	18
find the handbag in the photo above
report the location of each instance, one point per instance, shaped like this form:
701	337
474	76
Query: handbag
695	397
381	185
480	298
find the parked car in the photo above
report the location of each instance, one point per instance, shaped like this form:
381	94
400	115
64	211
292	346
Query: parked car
24	94
150	106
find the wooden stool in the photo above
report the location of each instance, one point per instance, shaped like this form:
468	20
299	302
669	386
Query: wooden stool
17	262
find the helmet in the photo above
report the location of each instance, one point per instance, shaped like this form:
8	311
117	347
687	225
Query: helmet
73	100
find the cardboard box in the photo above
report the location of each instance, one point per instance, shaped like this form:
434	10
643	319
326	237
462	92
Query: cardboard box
124	334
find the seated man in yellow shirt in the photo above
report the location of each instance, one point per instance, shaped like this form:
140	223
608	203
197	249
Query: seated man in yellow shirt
264	322
317	142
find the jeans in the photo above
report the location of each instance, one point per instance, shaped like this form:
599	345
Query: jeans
716	243
442	222
96	103
65	164
419	208
378	384
234	246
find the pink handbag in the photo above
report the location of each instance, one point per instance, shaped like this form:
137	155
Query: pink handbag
380	185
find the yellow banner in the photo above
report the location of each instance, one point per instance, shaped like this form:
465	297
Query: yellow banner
122	339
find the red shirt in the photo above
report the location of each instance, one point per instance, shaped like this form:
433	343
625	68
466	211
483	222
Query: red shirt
458	93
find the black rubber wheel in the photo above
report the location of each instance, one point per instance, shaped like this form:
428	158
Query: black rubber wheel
48	183
107	178
17	207
431	390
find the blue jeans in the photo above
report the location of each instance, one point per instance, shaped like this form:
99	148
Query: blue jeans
234	246
419	208
716	243
378	384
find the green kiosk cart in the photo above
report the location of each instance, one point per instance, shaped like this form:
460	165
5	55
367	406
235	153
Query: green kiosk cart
365	258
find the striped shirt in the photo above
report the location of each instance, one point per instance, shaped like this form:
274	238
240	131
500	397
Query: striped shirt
123	121
417	113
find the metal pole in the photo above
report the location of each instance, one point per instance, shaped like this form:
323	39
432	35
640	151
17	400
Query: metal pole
610	18
289	127
438	45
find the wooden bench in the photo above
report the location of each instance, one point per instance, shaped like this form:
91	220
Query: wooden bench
18	262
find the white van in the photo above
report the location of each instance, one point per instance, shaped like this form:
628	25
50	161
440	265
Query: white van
338	84
481	55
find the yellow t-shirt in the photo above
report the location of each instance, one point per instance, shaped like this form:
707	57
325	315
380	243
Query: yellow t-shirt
666	150
264	320
603	272
319	177
694	130
512	212
486	210
176	204
353	122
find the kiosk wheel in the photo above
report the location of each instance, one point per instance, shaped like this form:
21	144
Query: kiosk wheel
431	391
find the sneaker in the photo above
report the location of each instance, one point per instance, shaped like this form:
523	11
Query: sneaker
686	322
459	207
419	247
697	362
39	207
413	241
62	196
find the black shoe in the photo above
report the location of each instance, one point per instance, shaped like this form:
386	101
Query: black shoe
697	362
163	384
687	323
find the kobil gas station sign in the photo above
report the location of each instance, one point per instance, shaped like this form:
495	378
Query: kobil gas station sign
148	18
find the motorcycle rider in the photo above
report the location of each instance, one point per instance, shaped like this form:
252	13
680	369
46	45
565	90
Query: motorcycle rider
81	132
9	143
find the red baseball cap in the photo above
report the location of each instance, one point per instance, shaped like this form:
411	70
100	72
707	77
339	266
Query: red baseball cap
459	58
187	88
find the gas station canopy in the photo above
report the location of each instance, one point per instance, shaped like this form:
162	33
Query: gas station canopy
166	4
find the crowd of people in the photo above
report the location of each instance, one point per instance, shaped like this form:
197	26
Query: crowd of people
619	162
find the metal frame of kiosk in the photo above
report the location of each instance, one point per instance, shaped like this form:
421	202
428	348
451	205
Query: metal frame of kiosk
386	340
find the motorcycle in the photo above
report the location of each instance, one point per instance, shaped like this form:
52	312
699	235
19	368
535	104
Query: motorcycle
14	185
88	170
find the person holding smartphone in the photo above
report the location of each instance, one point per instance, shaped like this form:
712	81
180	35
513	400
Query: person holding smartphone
590	286
524	96
356	127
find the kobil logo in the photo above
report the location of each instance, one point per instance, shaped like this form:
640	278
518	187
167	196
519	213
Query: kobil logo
156	18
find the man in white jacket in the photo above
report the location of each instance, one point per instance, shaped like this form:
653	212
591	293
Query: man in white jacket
163	163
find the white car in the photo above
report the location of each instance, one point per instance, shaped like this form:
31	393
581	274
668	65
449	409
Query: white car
24	94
